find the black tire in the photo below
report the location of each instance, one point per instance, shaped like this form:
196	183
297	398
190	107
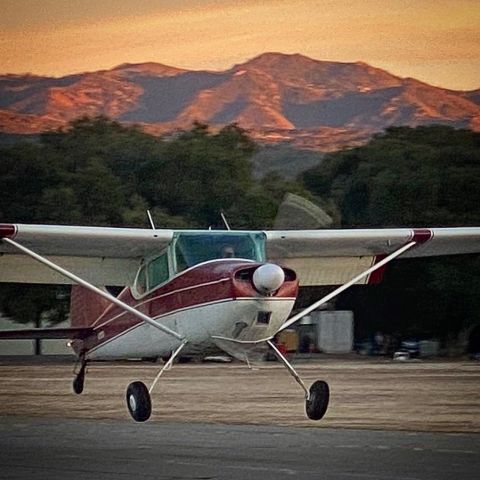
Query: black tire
316	406
79	380
78	383
139	403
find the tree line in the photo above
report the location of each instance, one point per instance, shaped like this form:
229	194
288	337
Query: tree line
410	177
98	172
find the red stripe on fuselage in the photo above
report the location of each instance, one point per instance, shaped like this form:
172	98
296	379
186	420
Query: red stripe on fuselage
206	283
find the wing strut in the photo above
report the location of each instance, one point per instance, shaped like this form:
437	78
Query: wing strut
340	289
145	318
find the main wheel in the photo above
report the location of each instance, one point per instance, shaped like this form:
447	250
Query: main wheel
317	404
138	401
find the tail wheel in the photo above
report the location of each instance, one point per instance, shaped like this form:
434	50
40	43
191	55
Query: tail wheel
79	380
78	384
317	403
138	401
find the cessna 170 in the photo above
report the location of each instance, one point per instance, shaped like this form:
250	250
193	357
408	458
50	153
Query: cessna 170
191	290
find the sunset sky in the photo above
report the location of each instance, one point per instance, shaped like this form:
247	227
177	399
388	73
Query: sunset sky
437	41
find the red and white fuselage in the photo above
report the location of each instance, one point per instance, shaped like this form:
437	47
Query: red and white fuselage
214	298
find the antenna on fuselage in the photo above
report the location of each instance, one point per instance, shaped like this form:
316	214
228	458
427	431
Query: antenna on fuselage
150	219
225	220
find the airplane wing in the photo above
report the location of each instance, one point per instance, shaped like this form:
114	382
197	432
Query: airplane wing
332	257
110	256
100	255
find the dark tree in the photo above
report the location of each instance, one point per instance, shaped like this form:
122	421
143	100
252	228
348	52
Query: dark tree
415	177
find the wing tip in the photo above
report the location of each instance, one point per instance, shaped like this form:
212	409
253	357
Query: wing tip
422	235
7	230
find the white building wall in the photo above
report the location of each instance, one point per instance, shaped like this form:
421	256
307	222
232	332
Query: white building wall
334	331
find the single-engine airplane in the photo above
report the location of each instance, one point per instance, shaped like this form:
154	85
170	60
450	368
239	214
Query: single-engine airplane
193	290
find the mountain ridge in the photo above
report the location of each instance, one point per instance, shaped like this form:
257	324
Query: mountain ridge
278	98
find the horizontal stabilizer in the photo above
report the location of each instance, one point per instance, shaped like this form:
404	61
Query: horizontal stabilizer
34	333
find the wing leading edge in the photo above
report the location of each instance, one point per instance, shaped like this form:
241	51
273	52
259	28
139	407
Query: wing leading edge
101	255
332	257
371	242
110	256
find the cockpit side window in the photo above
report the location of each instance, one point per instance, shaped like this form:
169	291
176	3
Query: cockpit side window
141	281
158	271
152	274
180	259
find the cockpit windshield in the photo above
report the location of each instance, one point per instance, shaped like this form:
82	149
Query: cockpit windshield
193	248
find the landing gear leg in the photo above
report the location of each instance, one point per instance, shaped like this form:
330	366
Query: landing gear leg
139	402
316	398
79	380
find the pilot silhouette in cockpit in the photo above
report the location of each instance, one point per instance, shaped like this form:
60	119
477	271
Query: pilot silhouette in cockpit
227	252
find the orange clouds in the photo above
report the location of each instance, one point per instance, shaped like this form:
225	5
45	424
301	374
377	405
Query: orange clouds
436	41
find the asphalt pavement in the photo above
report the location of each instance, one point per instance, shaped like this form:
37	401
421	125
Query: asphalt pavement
76	449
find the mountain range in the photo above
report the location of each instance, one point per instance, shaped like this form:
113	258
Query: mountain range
278	98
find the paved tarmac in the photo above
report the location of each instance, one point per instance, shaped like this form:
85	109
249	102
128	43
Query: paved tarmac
75	449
